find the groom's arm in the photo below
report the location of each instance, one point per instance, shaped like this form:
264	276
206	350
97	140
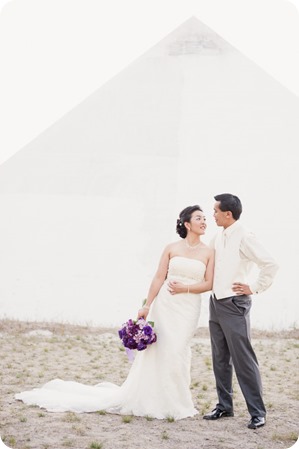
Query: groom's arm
254	251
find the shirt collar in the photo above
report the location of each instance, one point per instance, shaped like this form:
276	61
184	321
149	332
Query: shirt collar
228	231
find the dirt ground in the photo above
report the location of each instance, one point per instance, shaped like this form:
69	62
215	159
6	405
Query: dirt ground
34	353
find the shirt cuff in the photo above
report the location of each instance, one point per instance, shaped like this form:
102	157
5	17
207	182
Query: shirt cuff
254	288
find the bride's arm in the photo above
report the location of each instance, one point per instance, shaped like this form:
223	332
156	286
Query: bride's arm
156	283
200	287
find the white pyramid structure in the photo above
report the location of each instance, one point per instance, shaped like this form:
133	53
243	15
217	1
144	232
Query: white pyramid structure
88	206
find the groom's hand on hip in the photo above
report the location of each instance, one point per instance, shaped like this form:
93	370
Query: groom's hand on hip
241	289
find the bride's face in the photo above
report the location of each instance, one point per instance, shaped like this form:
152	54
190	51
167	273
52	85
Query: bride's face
198	223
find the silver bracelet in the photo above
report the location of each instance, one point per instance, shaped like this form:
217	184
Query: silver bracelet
146	307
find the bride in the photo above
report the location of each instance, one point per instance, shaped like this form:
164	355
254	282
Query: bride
159	379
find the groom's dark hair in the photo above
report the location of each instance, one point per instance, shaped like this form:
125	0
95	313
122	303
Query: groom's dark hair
229	202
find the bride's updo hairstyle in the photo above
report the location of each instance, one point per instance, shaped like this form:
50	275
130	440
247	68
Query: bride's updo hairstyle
185	215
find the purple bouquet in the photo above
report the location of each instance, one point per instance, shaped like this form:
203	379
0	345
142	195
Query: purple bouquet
137	334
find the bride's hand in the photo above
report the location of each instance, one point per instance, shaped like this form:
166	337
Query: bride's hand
176	287
142	313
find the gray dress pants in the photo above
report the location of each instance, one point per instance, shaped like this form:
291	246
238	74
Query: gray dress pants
231	347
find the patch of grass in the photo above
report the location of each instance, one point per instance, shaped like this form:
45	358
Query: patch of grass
101	412
170	419
165	435
53	340
149	418
292	436
205	407
11	441
208	362
71	417
68	443
79	430
127	419
95	445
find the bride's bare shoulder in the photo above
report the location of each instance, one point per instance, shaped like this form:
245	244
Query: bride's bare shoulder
174	245
210	251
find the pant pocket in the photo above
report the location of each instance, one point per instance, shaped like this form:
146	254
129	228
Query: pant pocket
241	304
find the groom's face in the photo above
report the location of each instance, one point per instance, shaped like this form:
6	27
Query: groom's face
222	218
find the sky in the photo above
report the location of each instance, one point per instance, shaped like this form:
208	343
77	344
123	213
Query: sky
55	53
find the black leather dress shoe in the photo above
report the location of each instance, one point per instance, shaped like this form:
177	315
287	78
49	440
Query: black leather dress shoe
217	414
256	422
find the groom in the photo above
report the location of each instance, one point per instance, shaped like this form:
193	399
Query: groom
235	251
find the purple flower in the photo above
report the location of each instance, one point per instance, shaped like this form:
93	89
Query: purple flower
137	334
153	338
131	343
141	345
147	330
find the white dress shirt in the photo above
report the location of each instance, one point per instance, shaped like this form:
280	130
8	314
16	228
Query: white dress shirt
236	250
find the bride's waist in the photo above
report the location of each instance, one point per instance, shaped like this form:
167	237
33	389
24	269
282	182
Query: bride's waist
181	278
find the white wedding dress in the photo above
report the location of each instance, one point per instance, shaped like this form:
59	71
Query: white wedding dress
158	383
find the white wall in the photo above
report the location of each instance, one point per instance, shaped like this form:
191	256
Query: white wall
88	206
